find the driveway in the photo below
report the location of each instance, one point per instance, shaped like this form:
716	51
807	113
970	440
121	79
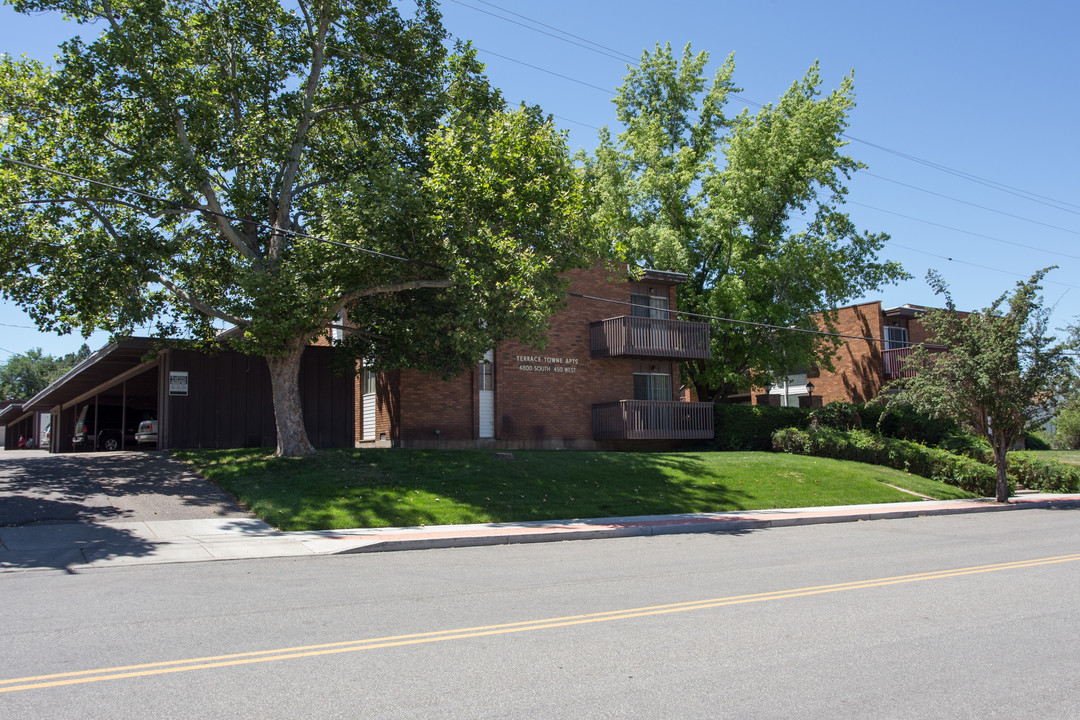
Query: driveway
39	488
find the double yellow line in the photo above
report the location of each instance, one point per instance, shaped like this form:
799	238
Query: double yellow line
304	651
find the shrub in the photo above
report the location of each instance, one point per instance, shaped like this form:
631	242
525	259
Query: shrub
906	423
1043	475
751	427
862	446
1036	441
838	415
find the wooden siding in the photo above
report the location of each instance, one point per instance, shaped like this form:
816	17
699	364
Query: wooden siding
629	336
229	403
652	420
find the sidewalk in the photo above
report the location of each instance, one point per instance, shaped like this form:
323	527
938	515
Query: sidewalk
75	546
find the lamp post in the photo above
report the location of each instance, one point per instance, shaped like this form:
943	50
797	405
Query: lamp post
810	389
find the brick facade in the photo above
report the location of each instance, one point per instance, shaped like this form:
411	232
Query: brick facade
858	372
543	398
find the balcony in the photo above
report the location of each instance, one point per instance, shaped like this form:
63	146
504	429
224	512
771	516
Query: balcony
652	420
893	361
644	337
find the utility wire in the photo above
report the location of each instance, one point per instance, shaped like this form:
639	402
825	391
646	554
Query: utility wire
966	232
733	321
207	211
606	51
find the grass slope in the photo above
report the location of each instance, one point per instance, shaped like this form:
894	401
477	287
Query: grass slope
387	488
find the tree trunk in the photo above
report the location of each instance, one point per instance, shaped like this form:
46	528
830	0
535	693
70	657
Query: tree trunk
292	438
1001	463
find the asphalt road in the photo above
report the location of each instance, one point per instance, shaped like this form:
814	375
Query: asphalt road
970	616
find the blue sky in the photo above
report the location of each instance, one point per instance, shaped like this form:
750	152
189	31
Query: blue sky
985	90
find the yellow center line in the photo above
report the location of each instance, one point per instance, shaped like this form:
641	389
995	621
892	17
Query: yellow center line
304	651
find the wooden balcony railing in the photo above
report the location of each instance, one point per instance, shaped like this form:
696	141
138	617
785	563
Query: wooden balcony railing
893	361
652	420
629	336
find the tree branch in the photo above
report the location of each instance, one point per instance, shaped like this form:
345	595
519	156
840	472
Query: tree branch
169	107
340	108
154	215
200	305
292	166
392	288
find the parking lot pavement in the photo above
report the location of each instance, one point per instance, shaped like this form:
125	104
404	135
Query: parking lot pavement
38	488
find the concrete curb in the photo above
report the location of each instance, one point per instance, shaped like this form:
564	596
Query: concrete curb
73	546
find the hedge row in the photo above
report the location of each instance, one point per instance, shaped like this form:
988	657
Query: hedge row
861	446
751	427
1042	475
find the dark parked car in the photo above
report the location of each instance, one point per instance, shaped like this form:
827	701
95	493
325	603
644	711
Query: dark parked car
104	425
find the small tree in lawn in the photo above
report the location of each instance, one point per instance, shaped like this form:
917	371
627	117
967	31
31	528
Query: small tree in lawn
314	157
1000	371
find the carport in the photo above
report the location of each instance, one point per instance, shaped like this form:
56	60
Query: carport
218	399
121	375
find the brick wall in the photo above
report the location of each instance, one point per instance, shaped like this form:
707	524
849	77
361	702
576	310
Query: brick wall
543	398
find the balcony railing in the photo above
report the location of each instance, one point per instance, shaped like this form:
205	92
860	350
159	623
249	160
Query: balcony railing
652	420
629	336
894	361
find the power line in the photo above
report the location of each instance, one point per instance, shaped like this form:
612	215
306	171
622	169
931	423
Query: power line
733	321
976	265
207	211
1001	187
966	232
974	205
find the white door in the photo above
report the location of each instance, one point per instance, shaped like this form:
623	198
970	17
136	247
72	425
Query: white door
486	374
369	405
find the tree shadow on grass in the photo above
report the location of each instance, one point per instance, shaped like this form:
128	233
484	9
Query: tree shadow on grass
398	489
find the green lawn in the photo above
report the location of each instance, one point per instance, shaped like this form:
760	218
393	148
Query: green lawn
1068	457
387	488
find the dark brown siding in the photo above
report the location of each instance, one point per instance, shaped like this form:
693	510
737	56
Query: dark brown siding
229	402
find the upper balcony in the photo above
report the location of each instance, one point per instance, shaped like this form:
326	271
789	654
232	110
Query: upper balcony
893	361
644	337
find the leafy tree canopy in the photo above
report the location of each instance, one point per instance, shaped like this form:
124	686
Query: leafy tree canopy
750	207
1000	371
332	157
24	376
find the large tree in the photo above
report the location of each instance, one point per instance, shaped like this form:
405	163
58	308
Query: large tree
750	207
1000	371
331	157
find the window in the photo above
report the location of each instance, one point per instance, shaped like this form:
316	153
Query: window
650	306
652	386
337	334
895	338
486	375
368	382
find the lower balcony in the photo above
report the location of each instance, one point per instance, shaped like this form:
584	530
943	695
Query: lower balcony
652	420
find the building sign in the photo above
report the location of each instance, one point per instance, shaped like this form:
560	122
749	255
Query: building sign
546	363
178	383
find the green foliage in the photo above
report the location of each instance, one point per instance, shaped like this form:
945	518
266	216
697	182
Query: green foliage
270	132
1049	476
751	427
1036	441
25	375
365	488
862	446
1067	430
749	207
1000	371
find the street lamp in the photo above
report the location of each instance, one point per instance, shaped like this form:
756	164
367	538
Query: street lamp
809	388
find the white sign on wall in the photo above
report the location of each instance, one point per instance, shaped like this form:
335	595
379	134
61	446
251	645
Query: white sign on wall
178	383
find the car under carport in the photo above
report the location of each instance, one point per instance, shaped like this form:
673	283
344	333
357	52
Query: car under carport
219	399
